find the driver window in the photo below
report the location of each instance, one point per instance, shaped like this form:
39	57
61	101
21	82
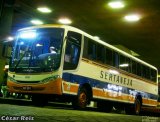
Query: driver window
72	52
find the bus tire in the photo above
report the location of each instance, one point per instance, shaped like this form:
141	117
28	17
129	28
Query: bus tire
104	106
81	100
39	100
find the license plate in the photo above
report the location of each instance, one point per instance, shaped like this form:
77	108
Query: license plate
27	88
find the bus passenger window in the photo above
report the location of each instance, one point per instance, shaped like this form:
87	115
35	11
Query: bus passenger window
91	50
153	75
128	61
123	64
144	75
134	67
148	73
85	51
116	59
109	57
139	69
100	53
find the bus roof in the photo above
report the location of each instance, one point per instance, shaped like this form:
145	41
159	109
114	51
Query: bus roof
93	38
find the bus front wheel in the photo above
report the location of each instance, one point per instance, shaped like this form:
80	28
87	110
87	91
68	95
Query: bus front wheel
81	100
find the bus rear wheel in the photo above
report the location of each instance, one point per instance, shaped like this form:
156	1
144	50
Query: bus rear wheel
81	100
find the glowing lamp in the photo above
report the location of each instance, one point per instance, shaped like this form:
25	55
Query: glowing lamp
132	18
36	22
116	4
44	10
64	21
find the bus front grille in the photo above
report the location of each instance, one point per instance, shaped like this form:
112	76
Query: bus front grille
28	81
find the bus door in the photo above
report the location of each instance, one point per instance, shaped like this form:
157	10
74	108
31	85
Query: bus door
72	51
71	61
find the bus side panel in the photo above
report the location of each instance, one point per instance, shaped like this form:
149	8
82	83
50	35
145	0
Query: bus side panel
70	84
99	88
120	87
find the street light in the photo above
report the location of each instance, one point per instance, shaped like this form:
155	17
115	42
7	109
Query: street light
64	21
36	22
44	9
132	18
116	4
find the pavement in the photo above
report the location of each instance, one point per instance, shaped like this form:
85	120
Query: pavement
24	111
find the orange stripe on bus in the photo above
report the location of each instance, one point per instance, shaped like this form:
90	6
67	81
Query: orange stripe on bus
145	101
152	102
113	95
149	101
70	87
120	96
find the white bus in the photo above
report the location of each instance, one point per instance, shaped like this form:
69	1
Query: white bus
159	85
59	60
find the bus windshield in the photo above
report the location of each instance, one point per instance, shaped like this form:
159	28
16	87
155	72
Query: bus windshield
37	50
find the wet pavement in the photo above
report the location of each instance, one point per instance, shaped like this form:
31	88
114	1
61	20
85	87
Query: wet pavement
23	110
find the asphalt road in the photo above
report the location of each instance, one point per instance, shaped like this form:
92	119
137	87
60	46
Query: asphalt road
19	110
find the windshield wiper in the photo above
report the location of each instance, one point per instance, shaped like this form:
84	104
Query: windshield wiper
20	59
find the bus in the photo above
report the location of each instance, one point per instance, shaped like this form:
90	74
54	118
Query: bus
159	88
66	62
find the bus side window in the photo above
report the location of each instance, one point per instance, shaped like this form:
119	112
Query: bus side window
72	52
134	67
100	53
109	57
92	50
122	62
116	59
153	75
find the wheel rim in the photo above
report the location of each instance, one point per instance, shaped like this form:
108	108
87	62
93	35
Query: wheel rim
82	99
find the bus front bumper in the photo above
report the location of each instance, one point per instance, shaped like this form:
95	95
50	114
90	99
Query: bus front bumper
52	87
